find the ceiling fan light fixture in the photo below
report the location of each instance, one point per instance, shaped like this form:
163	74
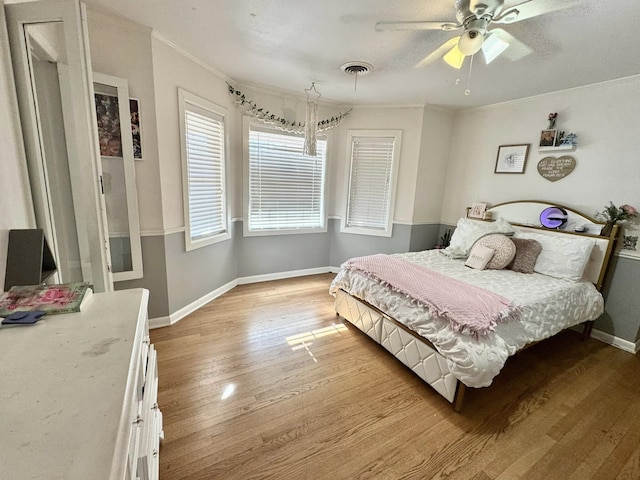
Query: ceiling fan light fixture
471	42
454	58
492	47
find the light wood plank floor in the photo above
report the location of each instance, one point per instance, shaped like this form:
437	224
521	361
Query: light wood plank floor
266	382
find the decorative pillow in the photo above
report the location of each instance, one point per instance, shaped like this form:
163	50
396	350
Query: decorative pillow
527	252
504	248
468	231
479	257
562	256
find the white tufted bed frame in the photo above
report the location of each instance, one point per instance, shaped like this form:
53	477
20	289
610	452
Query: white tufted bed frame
417	353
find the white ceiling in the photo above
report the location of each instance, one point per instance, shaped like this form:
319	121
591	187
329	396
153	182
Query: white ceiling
287	44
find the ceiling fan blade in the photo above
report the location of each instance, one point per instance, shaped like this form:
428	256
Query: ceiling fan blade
455	58
533	8
446	26
515	51
438	52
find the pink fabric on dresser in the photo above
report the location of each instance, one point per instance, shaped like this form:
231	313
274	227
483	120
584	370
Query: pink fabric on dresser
466	307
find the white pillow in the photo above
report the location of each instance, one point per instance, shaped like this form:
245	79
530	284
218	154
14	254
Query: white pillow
562	256
479	257
468	231
504	250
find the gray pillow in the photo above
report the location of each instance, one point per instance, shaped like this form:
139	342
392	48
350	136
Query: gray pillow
527	251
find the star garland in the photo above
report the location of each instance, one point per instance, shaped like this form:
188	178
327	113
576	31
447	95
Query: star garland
278	122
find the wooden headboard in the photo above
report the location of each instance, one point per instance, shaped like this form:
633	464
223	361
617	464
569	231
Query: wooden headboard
525	215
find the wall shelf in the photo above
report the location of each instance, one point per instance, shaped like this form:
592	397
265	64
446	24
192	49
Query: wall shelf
560	148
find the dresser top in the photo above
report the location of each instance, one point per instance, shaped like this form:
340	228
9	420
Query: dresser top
62	388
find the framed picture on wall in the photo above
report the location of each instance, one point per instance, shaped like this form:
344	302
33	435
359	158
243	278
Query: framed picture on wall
512	158
108	120
134	108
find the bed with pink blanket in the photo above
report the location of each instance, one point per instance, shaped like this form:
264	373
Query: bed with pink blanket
456	326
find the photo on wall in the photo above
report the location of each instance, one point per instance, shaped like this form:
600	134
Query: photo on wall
136	134
108	120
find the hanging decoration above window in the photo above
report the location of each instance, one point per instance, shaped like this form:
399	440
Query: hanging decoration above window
311	121
283	124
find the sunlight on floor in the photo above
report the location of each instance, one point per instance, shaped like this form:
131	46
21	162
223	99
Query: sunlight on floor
228	391
304	340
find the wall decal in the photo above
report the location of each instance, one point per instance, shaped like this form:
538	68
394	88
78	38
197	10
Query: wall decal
553	169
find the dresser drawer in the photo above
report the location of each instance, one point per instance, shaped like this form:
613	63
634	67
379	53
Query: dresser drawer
151	425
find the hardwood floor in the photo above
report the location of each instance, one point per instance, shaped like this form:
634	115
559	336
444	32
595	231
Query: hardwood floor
266	382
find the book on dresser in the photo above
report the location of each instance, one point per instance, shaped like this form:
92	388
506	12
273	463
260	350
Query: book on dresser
52	299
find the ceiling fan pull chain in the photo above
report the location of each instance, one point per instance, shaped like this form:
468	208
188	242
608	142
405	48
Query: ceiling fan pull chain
468	90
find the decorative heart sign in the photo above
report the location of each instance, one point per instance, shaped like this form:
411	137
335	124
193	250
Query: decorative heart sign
553	169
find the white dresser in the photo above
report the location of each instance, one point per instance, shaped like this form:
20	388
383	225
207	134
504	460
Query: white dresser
78	394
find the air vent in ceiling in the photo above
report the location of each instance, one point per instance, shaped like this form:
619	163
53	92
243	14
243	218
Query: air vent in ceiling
356	68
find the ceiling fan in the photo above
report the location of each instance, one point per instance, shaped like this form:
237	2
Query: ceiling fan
474	17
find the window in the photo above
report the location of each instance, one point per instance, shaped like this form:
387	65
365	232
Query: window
202	133
285	190
373	170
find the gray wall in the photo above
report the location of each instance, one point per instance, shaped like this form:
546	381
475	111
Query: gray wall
262	255
154	268
423	237
176	278
192	275
622	308
347	245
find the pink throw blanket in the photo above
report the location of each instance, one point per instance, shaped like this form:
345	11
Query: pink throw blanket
466	306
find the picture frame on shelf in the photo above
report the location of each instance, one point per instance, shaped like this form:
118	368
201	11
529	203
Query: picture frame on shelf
628	246
548	138
512	158
477	210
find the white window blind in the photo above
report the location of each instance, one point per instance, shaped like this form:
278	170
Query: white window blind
204	167
285	187
370	185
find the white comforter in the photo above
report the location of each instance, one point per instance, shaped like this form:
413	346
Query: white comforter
548	305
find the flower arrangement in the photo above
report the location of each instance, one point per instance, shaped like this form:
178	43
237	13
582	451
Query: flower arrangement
620	214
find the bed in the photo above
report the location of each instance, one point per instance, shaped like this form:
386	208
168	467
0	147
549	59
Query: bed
560	289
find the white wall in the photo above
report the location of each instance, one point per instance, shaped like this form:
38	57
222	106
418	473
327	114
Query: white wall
604	117
16	209
123	49
437	125
172	68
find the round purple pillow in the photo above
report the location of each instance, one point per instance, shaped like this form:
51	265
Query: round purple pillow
505	250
